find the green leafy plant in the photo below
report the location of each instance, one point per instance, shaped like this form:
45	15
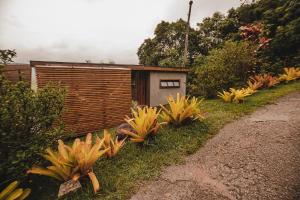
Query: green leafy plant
225	67
26	114
12	192
144	124
181	110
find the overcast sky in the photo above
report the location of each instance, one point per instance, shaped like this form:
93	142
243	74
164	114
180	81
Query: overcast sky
96	30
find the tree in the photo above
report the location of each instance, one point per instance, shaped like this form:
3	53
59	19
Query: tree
167	47
281	21
7	55
215	30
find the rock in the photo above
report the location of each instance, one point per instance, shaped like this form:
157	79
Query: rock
120	134
67	187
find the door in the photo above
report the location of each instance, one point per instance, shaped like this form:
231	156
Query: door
141	87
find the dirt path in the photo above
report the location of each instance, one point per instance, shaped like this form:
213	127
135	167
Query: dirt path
256	157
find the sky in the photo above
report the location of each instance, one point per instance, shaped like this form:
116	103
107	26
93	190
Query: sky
94	30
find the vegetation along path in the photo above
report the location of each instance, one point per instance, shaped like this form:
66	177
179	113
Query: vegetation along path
256	157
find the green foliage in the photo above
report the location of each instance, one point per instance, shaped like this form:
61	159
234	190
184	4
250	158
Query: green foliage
167	46
215	30
225	67
26	123
281	29
7	55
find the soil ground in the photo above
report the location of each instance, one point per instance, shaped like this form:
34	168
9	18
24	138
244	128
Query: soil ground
256	157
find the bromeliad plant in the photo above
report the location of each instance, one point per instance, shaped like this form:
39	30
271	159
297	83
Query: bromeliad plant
265	80
249	90
114	146
226	96
144	124
181	110
236	96
73	162
86	154
290	74
64	166
11	192
254	85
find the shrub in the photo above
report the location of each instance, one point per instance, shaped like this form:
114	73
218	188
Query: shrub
225	67
144	124
181	110
26	124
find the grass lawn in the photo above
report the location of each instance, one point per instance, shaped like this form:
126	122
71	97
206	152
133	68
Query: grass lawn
121	176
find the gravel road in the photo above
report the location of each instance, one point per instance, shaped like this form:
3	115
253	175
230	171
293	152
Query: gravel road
256	157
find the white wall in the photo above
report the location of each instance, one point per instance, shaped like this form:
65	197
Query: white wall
159	95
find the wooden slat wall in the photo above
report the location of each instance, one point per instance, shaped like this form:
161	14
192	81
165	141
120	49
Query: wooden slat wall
97	98
14	72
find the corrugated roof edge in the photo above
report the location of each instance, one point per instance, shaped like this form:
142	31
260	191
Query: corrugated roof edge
132	67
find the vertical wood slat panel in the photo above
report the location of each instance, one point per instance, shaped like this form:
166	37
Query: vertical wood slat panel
13	72
96	99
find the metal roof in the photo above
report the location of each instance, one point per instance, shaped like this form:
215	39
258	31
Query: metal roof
101	65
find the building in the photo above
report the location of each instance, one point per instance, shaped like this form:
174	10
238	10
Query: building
100	95
17	72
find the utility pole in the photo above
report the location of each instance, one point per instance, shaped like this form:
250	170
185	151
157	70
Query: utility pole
186	43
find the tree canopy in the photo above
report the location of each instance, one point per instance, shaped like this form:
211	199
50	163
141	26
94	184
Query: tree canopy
280	20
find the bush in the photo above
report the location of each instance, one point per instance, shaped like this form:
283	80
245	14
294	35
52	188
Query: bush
26	124
225	67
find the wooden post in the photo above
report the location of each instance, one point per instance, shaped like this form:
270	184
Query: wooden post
187	35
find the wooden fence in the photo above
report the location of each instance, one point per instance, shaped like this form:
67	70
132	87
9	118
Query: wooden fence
97	97
16	72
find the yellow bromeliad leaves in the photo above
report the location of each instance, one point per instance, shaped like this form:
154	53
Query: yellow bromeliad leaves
86	154
238	96
72	162
290	74
144	124
63	162
114	146
181	109
226	96
11	192
235	95
265	80
254	85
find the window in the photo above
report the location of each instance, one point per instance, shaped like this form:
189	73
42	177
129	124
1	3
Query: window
169	83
